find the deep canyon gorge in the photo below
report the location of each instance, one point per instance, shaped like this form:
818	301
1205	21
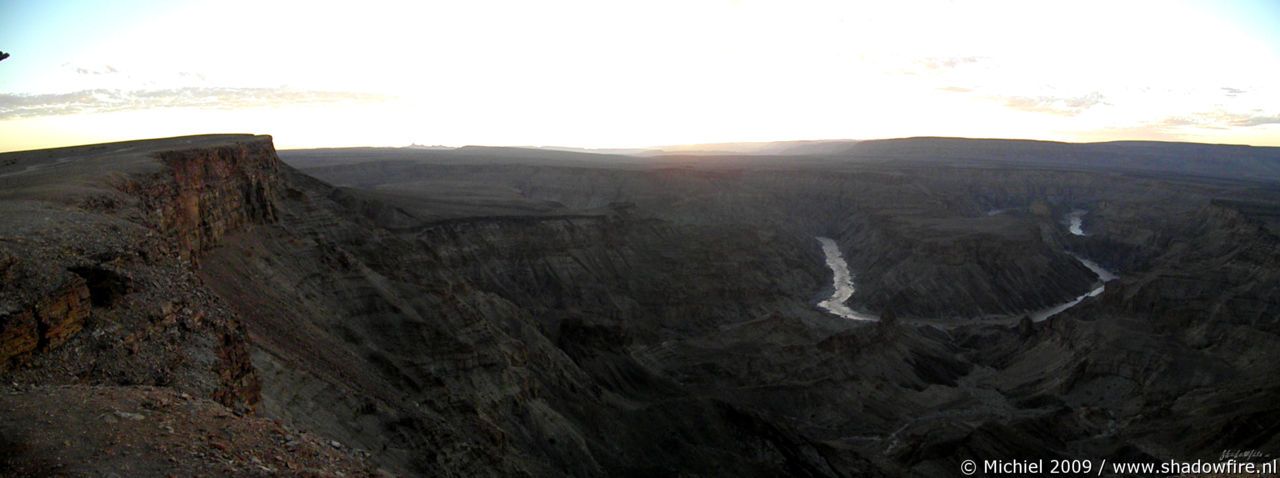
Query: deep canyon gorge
529	312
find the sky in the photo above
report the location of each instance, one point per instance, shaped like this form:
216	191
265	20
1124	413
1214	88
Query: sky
633	74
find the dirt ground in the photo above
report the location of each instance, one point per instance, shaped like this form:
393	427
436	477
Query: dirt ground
149	431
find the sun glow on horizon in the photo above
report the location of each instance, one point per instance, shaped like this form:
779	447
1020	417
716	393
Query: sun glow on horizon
591	74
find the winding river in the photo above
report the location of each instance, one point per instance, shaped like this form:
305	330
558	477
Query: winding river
842	278
841	281
1075	225
1075	222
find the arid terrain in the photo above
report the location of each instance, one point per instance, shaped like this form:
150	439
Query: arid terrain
210	306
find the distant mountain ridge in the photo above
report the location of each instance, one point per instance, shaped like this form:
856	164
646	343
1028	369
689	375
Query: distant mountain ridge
1237	162
1198	159
794	147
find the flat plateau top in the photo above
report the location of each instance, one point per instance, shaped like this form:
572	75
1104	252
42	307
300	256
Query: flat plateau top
55	174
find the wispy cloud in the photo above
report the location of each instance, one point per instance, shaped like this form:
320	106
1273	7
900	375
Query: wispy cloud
1249	119
99	73
1221	120
1177	121
1232	92
108	100
956	89
934	66
1058	105
947	63
1175	128
1151	132
102	70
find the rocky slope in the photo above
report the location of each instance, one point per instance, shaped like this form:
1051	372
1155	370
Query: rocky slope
477	344
148	431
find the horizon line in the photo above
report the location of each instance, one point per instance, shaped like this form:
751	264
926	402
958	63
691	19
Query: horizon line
653	148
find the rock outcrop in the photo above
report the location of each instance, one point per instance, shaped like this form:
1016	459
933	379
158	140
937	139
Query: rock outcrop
46	324
207	193
112	254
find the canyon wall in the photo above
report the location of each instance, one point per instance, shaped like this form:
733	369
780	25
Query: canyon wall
115	256
485	317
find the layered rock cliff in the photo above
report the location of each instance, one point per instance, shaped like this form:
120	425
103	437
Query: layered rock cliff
207	193
46	323
112	252
101	245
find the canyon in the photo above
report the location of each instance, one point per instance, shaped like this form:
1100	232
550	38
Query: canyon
505	311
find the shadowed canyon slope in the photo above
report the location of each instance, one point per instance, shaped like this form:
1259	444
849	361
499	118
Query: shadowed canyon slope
501	311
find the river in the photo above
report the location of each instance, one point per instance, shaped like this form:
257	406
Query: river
842	278
841	282
1075	225
1075	222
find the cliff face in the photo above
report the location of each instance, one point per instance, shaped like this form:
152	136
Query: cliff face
46	324
111	256
99	301
1217	272
360	337
208	192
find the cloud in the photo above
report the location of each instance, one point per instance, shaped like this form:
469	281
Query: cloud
947	63
1178	121
1222	120
1232	92
1255	120
97	70
1173	127
1148	132
937	65
107	100
956	89
1179	128
1058	105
